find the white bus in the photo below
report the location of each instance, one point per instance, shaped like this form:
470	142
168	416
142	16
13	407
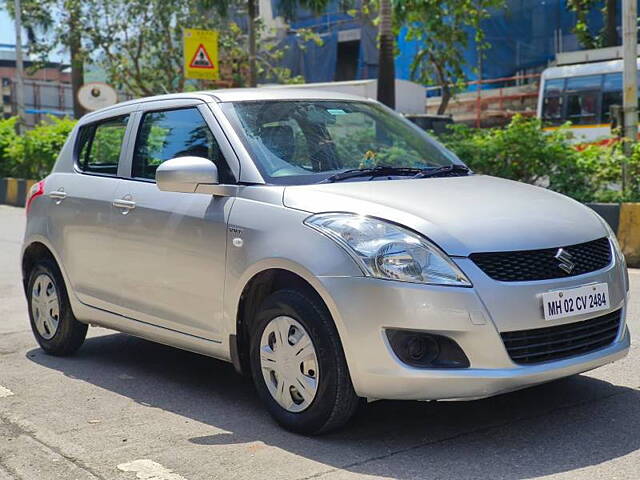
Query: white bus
582	95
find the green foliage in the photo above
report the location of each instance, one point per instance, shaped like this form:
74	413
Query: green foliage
33	154
522	151
442	29
607	36
8	136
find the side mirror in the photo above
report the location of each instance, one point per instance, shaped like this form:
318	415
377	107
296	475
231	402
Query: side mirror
187	175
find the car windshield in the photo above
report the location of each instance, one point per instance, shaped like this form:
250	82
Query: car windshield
301	142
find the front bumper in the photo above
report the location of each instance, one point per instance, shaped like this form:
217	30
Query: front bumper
365	307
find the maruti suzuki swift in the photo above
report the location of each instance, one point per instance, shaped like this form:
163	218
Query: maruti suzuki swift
322	244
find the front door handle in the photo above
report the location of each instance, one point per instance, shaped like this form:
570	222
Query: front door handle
125	204
58	195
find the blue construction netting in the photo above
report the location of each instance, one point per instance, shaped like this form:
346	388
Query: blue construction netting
523	36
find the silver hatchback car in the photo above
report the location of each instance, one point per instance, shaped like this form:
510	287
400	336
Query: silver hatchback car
324	245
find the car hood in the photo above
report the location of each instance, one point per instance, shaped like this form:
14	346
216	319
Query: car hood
462	215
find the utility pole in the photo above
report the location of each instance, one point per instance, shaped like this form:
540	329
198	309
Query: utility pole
76	57
386	63
630	81
19	67
252	11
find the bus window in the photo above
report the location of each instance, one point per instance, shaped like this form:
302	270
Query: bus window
582	99
554	86
612	82
587	82
611	94
582	108
552	110
553	101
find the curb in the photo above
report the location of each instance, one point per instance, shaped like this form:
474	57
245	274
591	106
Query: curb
13	191
629	233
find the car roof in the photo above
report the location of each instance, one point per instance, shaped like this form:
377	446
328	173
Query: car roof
239	95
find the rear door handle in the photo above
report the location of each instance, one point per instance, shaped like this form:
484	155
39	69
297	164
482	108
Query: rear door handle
124	204
58	195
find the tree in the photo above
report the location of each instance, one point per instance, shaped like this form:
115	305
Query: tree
607	36
443	29
138	43
288	7
57	21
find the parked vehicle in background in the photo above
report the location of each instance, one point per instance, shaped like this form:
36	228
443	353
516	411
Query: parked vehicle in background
431	123
581	94
324	245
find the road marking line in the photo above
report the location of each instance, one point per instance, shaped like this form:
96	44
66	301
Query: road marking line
5	392
149	470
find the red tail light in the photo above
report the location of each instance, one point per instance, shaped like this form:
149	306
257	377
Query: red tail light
36	190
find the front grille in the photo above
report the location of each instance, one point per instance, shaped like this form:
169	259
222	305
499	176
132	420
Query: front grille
528	265
554	343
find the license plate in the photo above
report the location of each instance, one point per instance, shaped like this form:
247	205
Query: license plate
575	301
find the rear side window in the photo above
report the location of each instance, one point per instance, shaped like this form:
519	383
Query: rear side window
175	133
100	145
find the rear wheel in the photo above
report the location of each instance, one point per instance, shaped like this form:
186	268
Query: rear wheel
52	321
298	365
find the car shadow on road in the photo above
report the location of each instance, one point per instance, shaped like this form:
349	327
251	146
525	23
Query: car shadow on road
553	428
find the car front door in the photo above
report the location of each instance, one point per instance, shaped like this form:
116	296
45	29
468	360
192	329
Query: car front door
171	246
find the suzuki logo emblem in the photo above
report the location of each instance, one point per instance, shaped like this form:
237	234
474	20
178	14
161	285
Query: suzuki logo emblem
566	260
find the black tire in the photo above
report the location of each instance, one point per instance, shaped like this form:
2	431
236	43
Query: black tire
70	333
335	401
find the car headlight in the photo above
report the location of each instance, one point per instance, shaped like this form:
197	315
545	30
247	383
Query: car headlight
388	251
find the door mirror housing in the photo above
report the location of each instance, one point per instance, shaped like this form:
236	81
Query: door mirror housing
189	175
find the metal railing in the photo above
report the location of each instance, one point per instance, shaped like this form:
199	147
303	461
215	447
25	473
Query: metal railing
476	102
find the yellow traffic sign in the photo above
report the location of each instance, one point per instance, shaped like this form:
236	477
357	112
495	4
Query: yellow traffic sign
201	54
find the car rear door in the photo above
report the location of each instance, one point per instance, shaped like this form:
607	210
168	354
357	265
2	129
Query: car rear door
171	246
80	209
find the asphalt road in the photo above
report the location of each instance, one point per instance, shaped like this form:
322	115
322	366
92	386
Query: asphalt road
125	408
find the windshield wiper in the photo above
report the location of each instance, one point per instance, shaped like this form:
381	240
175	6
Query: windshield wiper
445	171
378	171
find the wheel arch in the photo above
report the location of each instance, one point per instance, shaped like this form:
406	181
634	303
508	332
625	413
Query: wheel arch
260	285
31	255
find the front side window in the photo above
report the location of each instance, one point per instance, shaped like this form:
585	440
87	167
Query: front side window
306	141
175	133
100	145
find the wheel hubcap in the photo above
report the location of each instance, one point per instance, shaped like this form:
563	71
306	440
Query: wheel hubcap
289	363
45	306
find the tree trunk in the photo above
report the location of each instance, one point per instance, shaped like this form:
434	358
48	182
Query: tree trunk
253	68
75	52
611	29
386	66
446	97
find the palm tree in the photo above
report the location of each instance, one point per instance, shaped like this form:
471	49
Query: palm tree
386	62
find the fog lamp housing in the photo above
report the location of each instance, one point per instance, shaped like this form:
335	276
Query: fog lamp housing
426	350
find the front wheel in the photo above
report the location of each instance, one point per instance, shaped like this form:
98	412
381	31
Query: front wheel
298	365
